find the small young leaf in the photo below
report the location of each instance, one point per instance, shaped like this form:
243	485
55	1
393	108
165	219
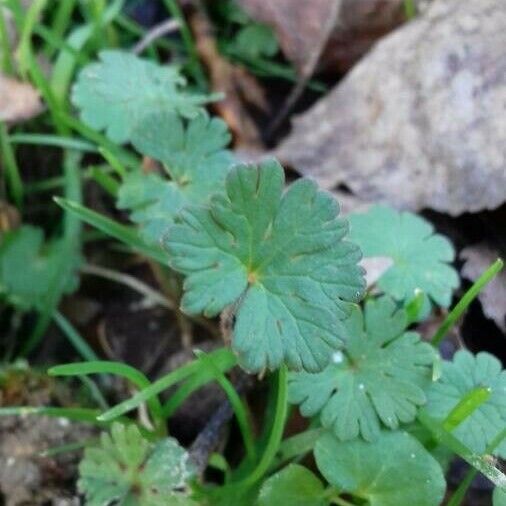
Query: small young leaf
379	377
114	93
421	258
195	159
293	485
28	266
255	40
128	470
395	470
280	257
464	374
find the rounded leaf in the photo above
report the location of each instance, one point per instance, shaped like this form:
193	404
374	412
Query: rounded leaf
293	485
395	470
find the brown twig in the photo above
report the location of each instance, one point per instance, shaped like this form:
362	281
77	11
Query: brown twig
237	85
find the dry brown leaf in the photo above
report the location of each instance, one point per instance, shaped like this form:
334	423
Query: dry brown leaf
298	25
18	101
420	121
493	297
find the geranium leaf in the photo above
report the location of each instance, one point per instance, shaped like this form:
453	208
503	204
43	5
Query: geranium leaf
378	379
420	257
464	374
392	471
293	485
116	92
28	266
279	257
195	160
128	470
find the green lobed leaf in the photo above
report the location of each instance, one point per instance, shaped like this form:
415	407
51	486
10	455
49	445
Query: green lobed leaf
279	257
394	470
195	160
459	377
116	92
420	257
28	266
128	470
378	379
293	485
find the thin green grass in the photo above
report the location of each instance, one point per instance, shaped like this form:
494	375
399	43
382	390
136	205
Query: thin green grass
12	174
466	300
133	375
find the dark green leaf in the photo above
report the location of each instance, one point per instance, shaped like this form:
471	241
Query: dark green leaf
28	266
279	257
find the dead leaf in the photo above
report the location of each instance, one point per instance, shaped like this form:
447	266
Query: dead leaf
375	267
493	297
298	25
18	101
420	121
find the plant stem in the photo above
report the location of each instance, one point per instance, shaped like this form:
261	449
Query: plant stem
130	281
466	300
239	408
459	495
276	434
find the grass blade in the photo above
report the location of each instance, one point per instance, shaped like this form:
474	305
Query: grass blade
74	338
481	463
223	357
126	235
54	140
466	300
466	407
117	368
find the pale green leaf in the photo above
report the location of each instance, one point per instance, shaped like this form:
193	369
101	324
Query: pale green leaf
499	497
395	470
378	379
196	163
464	374
128	470
255	40
421	258
116	92
28	267
293	485
279	257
